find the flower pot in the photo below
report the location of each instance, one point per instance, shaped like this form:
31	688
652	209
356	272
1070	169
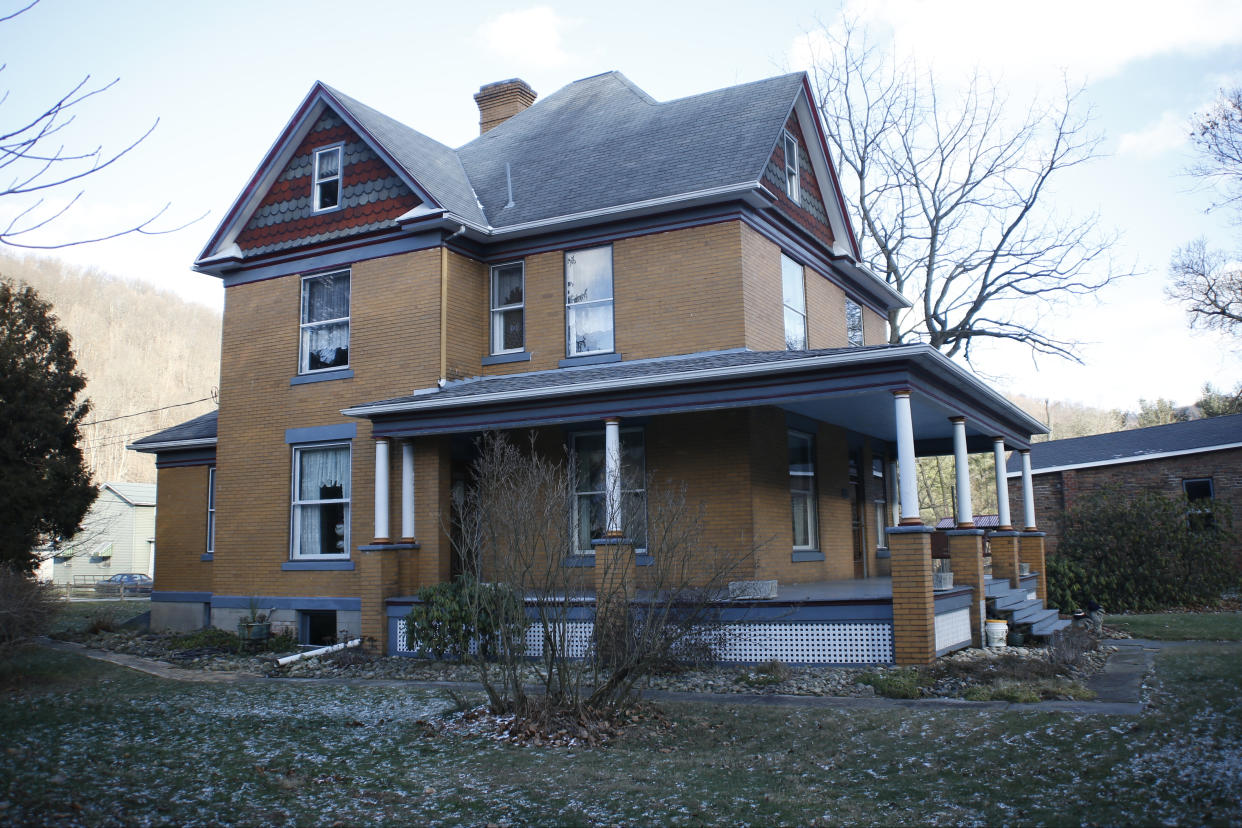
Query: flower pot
254	630
1024	569
942	581
997	632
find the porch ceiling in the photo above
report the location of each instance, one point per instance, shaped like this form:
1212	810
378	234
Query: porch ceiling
848	387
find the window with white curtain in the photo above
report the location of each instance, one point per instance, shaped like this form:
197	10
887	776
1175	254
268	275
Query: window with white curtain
327	178
321	501
508	308
588	301
325	322
793	292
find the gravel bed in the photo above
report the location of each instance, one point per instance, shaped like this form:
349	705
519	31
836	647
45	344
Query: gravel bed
950	677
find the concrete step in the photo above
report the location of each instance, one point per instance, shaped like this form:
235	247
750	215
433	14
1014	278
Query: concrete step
1012	598
1028	612
1048	627
1036	617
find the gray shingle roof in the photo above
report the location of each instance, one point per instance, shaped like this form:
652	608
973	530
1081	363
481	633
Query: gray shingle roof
138	494
1120	446
202	427
602	142
613	372
430	163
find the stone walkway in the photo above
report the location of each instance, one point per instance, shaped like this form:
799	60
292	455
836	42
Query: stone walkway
1119	686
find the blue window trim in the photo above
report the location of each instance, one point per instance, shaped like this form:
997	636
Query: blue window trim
501	359
207	556
323	376
267	602
593	359
317	566
800	555
315	434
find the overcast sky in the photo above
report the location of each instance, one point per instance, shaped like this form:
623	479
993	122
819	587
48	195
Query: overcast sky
222	78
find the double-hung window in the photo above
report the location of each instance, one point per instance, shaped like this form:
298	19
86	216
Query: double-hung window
211	510
881	502
793	290
590	517
791	167
588	302
508	308
802	490
326	189
325	322
853	323
321	501
1200	492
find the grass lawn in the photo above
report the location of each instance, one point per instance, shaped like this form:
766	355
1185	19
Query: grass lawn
75	615
1182	626
89	743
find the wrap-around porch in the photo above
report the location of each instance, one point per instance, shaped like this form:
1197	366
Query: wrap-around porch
869	412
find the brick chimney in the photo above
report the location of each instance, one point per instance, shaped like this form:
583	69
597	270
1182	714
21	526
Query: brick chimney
500	101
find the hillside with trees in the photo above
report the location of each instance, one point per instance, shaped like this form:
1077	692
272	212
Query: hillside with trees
145	352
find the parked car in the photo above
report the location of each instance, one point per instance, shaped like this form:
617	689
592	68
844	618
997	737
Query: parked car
124	583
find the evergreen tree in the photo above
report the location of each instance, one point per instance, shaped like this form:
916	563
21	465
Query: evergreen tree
1215	403
45	489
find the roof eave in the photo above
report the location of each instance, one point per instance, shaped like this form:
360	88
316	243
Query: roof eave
172	445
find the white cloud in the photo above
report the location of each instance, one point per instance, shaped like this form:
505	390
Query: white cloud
1156	138
1085	40
531	36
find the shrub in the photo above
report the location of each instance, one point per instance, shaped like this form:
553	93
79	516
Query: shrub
1142	552
206	637
27	608
902	683
455	614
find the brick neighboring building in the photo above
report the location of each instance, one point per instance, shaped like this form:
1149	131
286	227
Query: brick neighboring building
674	282
1199	458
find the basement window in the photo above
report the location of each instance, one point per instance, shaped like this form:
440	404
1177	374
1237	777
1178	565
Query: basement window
327	184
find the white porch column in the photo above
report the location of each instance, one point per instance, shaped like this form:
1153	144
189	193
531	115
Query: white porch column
1028	493
907	472
1002	486
381	490
407	491
612	476
961	464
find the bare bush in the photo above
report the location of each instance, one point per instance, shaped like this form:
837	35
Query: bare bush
512	527
27	608
1068	648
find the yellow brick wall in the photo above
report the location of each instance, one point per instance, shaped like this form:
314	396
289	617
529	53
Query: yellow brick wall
181	530
394	348
836	533
875	328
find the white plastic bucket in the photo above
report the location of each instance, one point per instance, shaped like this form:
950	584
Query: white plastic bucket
997	633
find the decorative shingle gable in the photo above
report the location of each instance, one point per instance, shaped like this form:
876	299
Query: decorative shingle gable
810	214
372	196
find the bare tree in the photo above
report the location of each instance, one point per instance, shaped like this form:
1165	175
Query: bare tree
34	164
950	195
1209	283
1217	135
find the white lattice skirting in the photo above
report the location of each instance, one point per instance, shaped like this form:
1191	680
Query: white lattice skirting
953	630
855	642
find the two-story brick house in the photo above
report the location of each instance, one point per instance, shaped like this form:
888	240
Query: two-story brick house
674	282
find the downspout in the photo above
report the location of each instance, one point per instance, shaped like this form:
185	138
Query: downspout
444	305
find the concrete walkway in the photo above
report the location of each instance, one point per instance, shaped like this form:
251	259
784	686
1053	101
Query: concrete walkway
1118	686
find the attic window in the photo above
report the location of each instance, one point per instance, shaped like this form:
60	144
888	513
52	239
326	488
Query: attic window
791	168
327	185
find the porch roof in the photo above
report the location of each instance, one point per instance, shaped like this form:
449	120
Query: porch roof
848	387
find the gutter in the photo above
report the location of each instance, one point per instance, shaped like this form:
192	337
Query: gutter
172	445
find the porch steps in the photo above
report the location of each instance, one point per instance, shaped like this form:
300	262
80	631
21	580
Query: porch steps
1022	610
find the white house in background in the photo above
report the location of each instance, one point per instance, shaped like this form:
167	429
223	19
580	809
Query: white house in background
118	535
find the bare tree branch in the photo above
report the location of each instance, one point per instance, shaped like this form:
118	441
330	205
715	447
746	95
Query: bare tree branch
951	198
33	163
1217	135
1210	286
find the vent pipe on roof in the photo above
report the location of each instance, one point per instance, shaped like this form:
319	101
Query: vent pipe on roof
500	101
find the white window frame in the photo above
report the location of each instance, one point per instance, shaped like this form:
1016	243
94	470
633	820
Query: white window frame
497	313
812	504
296	513
570	306
793	187
339	178
642	479
880	502
785	306
211	510
303	356
850	330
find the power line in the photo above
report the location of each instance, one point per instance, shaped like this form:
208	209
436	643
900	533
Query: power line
148	411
